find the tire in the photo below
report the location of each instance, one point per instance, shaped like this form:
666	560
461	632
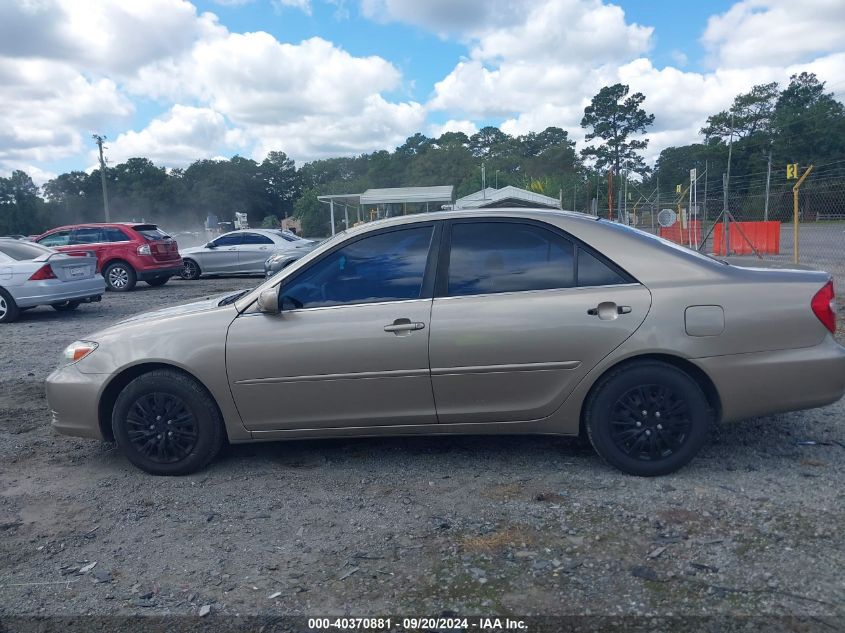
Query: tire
9	310
676	425
120	277
158	281
190	270
66	306
146	402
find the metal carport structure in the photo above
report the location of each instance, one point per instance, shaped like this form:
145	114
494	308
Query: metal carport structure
379	200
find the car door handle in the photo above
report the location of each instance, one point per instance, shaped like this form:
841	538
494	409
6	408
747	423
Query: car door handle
403	325
607	310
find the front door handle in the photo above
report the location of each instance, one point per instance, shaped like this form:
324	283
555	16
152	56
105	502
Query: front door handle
608	310
403	326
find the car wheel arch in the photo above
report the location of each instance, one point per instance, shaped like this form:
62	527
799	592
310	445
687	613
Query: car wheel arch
109	394
688	367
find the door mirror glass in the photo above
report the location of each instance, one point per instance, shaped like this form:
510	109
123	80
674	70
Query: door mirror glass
211	245
268	301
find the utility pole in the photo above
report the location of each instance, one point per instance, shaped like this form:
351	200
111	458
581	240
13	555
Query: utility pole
98	139
768	180
725	184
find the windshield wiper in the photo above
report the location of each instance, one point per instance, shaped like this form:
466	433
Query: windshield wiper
232	298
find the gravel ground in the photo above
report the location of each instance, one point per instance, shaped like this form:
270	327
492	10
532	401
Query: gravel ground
407	526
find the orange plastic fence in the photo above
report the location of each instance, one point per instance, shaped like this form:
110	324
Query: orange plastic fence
765	236
690	234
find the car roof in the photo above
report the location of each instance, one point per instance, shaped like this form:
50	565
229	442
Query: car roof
93	225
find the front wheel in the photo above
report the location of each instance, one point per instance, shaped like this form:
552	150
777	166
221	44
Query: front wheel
190	269
120	277
648	418
166	423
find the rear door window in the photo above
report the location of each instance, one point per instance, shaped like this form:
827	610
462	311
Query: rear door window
87	235
256	238
494	257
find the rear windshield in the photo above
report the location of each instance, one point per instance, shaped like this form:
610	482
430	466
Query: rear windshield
151	232
21	251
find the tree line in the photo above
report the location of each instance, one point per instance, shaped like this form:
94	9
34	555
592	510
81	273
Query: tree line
802	122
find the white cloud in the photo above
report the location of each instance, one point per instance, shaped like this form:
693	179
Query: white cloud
774	32
177	138
532	74
467	127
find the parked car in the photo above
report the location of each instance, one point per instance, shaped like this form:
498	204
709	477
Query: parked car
127	252
283	259
32	275
241	252
489	321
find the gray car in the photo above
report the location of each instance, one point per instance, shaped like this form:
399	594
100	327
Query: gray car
242	252
32	275
491	321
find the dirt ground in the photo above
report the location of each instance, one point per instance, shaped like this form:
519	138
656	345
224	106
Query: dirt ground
469	525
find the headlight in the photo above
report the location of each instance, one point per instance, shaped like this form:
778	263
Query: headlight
78	350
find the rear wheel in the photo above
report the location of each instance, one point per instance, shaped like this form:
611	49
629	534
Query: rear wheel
9	310
120	277
158	281
648	418
66	306
190	269
166	423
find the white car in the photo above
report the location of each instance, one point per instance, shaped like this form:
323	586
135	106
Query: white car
33	275
240	252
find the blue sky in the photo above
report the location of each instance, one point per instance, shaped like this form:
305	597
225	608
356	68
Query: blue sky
180	80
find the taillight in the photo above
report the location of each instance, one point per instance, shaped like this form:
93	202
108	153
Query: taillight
144	249
824	306
45	272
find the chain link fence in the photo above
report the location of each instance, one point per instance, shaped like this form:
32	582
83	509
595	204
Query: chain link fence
758	223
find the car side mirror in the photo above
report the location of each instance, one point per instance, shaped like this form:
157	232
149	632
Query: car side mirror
268	301
211	245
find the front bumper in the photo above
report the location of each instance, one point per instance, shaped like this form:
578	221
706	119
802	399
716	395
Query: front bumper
763	383
73	398
36	293
156	273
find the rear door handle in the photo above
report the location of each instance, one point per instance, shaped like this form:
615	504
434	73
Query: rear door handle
608	310
400	326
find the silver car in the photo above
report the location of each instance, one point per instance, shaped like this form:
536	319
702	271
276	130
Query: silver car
490	321
32	275
240	252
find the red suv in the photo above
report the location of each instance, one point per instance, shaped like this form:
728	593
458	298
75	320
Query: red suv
126	251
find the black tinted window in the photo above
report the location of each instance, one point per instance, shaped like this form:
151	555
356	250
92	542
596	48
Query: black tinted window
113	234
255	238
151	232
233	239
489	257
385	267
21	250
592	272
92	235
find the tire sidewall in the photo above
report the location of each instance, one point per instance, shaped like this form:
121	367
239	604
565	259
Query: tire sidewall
132	278
12	310
599	415
208	420
196	270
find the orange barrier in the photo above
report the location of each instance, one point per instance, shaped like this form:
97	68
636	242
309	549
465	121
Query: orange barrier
765	236
680	235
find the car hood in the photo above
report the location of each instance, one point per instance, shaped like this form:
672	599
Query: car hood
194	307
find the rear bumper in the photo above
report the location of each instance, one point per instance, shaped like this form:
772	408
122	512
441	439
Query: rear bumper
73	398
168	270
764	383
36	293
